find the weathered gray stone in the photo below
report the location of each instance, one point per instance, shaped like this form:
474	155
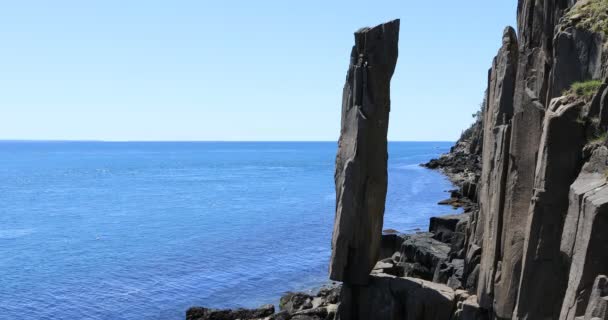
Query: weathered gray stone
319	312
295	301
282	315
603	112
495	160
450	273
197	313
469	309
525	138
459	236
471	265
389	244
584	240
536	22
595	107
592	176
361	173
305	317
597	308
421	248
443	227
392	298
472	279
577	56
558	165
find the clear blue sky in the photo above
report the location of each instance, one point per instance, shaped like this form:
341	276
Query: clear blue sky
233	70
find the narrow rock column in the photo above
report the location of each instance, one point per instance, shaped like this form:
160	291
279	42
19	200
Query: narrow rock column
535	25
495	159
361	173
585	241
558	164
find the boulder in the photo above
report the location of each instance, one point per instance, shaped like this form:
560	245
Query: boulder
392	298
421	248
389	244
330	294
388	266
415	270
361	161
197	313
295	301
443	227
450	273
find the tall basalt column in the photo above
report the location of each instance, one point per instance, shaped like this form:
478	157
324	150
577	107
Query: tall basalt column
536	24
361	162
585	242
557	167
495	160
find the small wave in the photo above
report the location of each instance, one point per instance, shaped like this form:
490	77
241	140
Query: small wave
410	167
15	233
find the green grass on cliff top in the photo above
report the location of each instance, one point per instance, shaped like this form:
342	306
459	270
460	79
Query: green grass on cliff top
591	15
585	90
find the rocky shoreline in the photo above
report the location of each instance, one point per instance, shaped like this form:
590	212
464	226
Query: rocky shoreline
322	304
531	176
422	260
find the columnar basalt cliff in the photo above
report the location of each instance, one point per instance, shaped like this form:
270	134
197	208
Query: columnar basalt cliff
532	178
532	242
544	167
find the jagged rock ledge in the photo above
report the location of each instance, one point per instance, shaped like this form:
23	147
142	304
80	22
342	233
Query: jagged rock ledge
321	305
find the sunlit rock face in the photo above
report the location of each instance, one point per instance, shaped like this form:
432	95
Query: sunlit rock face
361	162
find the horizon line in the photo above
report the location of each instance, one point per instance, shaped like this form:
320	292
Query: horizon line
211	141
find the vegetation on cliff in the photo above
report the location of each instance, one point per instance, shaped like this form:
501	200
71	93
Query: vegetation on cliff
590	15
585	90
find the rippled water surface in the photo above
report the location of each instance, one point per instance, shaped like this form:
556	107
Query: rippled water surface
93	230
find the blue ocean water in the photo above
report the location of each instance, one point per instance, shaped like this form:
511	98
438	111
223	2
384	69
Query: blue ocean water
95	230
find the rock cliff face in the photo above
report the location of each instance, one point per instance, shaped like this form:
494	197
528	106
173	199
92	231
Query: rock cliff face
533	243
532	173
525	271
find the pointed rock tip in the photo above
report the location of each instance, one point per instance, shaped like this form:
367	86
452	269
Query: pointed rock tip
392	23
509	34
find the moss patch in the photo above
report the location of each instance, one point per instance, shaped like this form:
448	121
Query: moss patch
590	15
585	90
599	139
